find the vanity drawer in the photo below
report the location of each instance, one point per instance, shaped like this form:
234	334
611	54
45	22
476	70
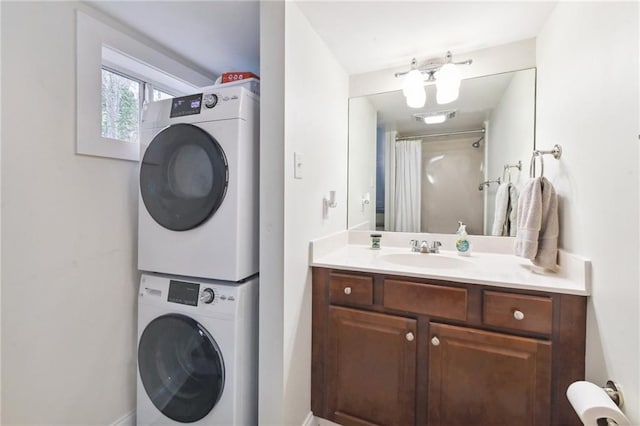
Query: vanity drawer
426	299
351	289
517	312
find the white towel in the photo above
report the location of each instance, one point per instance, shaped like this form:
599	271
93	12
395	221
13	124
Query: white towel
513	214
501	213
504	220
537	222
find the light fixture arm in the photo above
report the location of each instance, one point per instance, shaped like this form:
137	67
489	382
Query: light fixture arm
432	65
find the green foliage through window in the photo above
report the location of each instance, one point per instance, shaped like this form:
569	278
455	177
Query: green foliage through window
120	107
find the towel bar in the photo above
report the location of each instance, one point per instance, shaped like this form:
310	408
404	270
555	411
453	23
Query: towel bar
556	152
487	183
508	167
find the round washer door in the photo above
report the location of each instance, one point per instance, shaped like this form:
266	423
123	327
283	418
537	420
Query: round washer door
183	177
181	367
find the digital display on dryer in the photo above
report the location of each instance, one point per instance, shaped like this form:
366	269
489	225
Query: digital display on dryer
186	105
183	293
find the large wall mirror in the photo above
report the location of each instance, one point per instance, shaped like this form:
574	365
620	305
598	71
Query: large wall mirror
406	175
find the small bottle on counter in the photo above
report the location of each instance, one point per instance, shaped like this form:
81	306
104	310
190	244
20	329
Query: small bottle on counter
463	245
375	241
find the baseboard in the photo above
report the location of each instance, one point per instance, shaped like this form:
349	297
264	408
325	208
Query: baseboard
310	420
126	420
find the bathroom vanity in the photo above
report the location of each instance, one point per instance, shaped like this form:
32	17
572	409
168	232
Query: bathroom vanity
396	343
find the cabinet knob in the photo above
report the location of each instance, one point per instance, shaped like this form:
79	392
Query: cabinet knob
347	290
435	341
518	315
410	336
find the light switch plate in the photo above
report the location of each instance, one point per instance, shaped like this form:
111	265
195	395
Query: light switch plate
298	163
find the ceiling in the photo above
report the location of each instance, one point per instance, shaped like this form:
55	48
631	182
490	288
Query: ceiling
215	36
218	36
373	35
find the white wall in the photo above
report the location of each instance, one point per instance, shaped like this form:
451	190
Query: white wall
272	163
316	116
588	103
313	96
69	230
511	137
362	164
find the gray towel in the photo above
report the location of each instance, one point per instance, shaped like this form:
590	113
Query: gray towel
538	226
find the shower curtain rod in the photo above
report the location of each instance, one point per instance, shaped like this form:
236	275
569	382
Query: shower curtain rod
462	132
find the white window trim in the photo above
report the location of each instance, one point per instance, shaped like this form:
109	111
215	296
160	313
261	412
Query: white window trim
92	35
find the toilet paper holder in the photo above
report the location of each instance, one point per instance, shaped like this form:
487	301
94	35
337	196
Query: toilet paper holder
614	391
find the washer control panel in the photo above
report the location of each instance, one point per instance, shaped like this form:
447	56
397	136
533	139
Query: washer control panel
183	293
215	295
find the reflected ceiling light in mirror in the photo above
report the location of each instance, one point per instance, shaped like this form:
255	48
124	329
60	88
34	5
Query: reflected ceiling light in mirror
436	117
413	88
443	71
448	80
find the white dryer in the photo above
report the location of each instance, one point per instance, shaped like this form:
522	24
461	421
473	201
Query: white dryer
197	352
198	204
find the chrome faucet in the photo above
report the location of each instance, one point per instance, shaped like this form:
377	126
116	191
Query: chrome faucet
424	247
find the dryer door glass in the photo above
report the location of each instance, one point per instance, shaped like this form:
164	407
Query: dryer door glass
181	367
183	177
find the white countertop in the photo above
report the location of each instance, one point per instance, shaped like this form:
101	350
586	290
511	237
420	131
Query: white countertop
341	251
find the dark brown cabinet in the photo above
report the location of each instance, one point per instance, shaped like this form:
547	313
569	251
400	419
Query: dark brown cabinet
493	377
371	368
389	350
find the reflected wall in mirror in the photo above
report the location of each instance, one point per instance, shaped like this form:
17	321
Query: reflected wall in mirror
405	175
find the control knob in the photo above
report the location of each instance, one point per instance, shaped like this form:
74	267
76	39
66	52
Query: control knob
207	295
210	100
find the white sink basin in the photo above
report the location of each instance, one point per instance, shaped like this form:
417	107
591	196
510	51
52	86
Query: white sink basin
426	260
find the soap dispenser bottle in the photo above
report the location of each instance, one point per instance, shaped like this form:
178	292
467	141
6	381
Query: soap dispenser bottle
463	246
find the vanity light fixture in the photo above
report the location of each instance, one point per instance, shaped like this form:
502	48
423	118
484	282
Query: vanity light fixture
443	71
435	117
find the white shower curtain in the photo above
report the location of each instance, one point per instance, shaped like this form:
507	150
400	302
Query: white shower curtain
408	174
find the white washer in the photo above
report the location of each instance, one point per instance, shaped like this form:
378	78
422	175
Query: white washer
198	203
197	352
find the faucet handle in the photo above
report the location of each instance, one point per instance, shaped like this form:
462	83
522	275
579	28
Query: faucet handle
435	247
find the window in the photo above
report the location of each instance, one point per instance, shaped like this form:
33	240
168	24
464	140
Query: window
123	98
131	73
120	106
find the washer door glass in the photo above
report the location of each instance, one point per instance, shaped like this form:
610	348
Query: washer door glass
181	367
183	177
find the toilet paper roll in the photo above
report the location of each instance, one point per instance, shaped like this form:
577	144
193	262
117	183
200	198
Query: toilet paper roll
591	403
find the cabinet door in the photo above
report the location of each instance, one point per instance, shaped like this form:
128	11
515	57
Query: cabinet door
371	368
483	378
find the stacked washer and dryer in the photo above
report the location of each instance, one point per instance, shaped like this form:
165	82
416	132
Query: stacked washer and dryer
198	251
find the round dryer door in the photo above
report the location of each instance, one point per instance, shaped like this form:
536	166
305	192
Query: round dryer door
181	367
183	177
